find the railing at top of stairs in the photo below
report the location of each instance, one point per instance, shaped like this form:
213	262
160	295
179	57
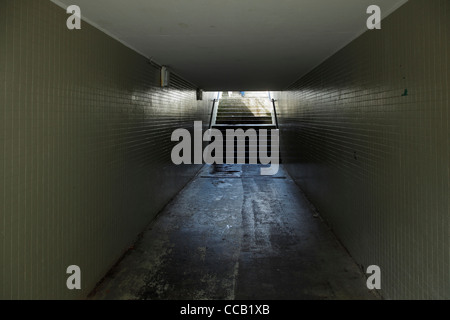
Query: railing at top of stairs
274	114
212	119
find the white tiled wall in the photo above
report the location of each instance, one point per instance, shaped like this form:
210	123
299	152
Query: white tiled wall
84	149
374	161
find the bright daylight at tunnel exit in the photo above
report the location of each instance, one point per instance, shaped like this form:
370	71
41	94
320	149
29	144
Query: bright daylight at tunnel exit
227	157
253	112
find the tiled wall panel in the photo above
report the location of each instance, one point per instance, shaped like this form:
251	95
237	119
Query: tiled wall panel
84	149
366	135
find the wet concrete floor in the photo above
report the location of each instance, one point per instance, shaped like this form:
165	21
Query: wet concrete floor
233	234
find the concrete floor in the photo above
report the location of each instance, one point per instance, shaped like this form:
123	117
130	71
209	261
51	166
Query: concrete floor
233	234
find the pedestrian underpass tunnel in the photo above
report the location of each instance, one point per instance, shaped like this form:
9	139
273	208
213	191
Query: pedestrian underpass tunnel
101	100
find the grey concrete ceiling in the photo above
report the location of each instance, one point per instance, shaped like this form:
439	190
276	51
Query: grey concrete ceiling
234	44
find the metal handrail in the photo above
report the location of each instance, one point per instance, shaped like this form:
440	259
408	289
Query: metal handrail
275	112
212	118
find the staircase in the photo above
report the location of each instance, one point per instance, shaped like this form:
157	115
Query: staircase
238	111
253	111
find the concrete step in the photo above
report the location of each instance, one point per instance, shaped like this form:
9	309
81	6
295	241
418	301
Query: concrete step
244	126
242	144
245	121
244	113
244	118
244	100
244	108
